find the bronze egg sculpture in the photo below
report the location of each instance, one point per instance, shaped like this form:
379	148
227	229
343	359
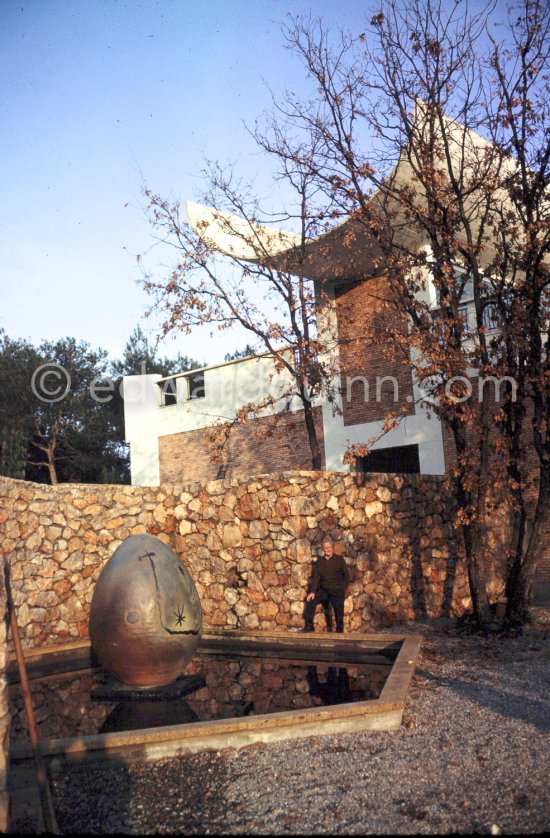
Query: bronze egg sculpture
145	617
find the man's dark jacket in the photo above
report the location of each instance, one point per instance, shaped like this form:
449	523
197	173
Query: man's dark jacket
330	574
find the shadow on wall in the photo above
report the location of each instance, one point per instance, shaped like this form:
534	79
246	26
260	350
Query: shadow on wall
449	581
418	587
415	550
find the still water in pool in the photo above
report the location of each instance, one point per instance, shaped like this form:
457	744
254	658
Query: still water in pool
231	687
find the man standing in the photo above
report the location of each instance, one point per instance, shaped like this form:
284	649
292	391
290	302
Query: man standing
328	584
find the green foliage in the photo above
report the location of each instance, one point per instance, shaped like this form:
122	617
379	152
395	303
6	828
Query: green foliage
51	427
17	361
62	413
140	358
240	353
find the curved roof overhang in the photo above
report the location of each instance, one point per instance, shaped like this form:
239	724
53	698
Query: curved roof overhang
345	252
350	249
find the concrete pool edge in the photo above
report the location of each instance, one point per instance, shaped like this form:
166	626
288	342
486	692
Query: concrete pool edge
383	713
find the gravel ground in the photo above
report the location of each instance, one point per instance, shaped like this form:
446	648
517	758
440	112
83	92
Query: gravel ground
472	756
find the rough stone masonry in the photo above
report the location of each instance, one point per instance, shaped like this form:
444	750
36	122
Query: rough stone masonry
248	544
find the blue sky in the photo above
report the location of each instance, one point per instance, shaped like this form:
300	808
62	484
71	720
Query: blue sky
97	97
100	96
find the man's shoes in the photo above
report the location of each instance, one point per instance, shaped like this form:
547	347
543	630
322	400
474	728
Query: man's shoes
307	629
329	628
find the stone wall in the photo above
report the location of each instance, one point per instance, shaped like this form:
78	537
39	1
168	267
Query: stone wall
247	543
4	711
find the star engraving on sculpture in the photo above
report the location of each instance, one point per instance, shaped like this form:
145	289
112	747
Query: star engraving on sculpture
179	616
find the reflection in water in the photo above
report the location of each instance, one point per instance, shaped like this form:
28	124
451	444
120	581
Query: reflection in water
233	687
129	715
335	689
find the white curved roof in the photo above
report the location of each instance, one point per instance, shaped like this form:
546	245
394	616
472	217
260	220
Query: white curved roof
325	257
346	250
238	237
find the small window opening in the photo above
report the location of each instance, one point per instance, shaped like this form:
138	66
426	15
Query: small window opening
195	386
168	392
401	459
490	317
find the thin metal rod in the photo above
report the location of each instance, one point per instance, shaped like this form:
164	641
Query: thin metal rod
46	801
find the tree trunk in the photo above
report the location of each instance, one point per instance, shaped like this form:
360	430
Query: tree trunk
50	449
51	465
519	582
474	536
474	545
315	448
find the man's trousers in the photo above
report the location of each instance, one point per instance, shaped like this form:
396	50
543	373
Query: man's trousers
327	597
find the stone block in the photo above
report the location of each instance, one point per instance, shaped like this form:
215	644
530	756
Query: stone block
247	507
231	535
373	508
250	621
268	610
231	596
295	526
303	550
258	529
213	541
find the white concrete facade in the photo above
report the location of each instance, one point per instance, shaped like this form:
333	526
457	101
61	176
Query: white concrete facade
230	386
227	388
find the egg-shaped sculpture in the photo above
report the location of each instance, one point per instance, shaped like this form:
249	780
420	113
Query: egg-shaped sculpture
145	617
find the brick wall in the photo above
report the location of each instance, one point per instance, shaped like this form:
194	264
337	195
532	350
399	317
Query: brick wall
270	444
362	311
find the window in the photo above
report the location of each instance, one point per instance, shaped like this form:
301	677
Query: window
168	392
464	312
401	459
490	317
466	307
195	386
467	292
297	363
